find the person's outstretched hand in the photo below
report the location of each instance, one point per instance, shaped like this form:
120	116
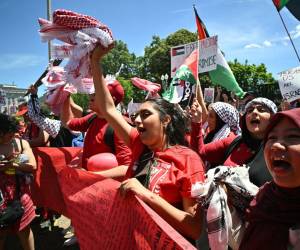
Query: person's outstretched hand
33	90
196	112
100	51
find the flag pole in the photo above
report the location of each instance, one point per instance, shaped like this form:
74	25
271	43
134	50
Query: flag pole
288	35
49	17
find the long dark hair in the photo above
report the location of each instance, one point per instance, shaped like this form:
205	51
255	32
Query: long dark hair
175	130
8	124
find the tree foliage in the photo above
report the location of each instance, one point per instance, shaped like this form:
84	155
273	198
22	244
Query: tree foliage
249	76
81	99
157	60
120	55
131	92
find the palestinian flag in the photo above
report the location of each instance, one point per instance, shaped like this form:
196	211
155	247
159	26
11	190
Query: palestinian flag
280	3
178	51
292	5
222	75
183	83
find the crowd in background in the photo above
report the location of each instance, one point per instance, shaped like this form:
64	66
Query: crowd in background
181	148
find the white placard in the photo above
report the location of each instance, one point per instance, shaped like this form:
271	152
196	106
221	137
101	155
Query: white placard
207	55
179	54
289	84
209	94
208	49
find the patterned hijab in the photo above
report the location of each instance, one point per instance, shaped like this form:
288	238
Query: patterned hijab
230	116
263	101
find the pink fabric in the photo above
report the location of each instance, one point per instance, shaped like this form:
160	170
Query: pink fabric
102	161
146	85
56	97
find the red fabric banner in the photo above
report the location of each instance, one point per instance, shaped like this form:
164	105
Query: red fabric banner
46	189
101	217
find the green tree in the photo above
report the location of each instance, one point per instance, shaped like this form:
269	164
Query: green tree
81	99
120	55
131	92
249	76
157	59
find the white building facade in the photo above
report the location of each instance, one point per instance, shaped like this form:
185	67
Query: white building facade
11	97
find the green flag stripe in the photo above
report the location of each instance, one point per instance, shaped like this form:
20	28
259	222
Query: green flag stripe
280	3
221	76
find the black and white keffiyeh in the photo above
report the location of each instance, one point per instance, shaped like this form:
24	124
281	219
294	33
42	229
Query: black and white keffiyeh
222	222
264	101
52	127
230	116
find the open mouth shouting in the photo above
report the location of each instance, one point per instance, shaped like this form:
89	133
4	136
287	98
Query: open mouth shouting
255	121
280	165
141	130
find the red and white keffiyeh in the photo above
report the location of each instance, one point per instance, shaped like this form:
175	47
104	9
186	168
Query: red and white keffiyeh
81	33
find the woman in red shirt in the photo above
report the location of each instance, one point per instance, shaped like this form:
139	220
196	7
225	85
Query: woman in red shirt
162	170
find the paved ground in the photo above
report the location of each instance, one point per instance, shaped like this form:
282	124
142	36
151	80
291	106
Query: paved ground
44	239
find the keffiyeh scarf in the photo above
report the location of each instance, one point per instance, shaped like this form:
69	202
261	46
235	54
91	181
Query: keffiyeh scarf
264	101
222	221
230	116
80	33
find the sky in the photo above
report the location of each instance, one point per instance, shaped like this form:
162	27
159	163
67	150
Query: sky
247	30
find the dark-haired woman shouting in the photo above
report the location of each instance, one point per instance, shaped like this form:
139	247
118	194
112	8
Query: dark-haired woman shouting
163	169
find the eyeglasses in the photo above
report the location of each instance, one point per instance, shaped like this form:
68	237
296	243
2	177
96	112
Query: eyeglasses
259	108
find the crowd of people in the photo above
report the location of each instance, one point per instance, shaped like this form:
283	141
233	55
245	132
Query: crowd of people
161	153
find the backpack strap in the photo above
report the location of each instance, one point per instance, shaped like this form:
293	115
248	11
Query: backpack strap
232	146
22	147
91	119
109	138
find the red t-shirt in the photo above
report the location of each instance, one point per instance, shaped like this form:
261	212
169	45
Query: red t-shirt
176	170
94	139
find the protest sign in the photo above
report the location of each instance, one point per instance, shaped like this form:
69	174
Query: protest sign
208	49
289	84
209	95
207	54
179	54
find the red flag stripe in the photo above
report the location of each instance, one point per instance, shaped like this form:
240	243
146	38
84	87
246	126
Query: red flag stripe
202	32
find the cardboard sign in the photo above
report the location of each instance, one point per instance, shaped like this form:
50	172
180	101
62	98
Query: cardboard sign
208	49
209	94
179	54
289	84
207	54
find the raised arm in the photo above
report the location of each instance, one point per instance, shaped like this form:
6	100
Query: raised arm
200	100
104	100
66	113
51	126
